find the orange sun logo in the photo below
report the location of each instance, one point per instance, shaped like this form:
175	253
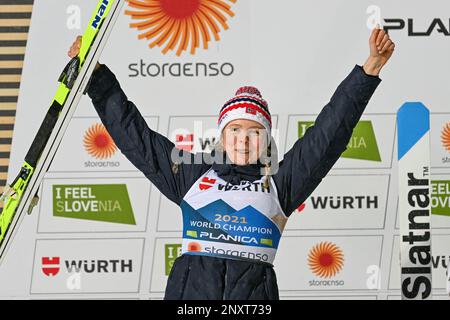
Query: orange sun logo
326	259
172	23
98	142
445	137
194	247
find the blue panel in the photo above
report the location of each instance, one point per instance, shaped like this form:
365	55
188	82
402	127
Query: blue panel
413	122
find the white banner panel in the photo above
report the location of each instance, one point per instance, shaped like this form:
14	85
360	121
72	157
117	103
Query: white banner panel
87	266
296	52
327	262
361	205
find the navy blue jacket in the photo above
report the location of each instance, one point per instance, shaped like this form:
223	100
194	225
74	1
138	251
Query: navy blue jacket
299	173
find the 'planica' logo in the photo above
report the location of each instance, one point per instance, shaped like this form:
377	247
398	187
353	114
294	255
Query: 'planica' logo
435	27
179	24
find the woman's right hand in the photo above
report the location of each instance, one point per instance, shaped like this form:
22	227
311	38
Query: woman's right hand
75	49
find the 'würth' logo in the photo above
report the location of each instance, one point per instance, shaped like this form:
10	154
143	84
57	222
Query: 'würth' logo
185	141
206	183
301	207
50	266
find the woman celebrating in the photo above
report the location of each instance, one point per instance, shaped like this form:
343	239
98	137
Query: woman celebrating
234	210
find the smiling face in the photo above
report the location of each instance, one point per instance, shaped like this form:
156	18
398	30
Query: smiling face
244	141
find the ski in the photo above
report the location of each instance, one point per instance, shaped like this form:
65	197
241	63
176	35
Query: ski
414	209
21	194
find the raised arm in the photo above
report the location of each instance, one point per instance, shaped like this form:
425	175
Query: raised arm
312	156
149	151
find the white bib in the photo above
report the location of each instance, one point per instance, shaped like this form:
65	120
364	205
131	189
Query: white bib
233	221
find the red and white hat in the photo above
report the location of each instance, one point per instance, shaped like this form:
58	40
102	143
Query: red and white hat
246	104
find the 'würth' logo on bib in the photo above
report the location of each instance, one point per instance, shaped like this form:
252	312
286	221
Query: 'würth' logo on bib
206	183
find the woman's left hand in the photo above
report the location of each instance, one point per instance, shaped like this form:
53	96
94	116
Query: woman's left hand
381	50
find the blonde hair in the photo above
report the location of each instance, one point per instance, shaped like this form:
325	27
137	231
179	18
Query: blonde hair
175	166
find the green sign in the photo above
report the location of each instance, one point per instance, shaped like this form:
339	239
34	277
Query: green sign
440	197
171	252
99	202
362	144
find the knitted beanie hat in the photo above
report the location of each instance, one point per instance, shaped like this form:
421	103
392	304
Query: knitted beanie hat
246	104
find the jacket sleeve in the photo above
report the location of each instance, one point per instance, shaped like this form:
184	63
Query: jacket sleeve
149	151
312	156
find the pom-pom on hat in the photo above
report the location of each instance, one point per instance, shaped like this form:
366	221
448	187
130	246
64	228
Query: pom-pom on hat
246	104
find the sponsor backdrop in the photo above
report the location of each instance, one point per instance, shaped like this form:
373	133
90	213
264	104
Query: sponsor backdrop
102	230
